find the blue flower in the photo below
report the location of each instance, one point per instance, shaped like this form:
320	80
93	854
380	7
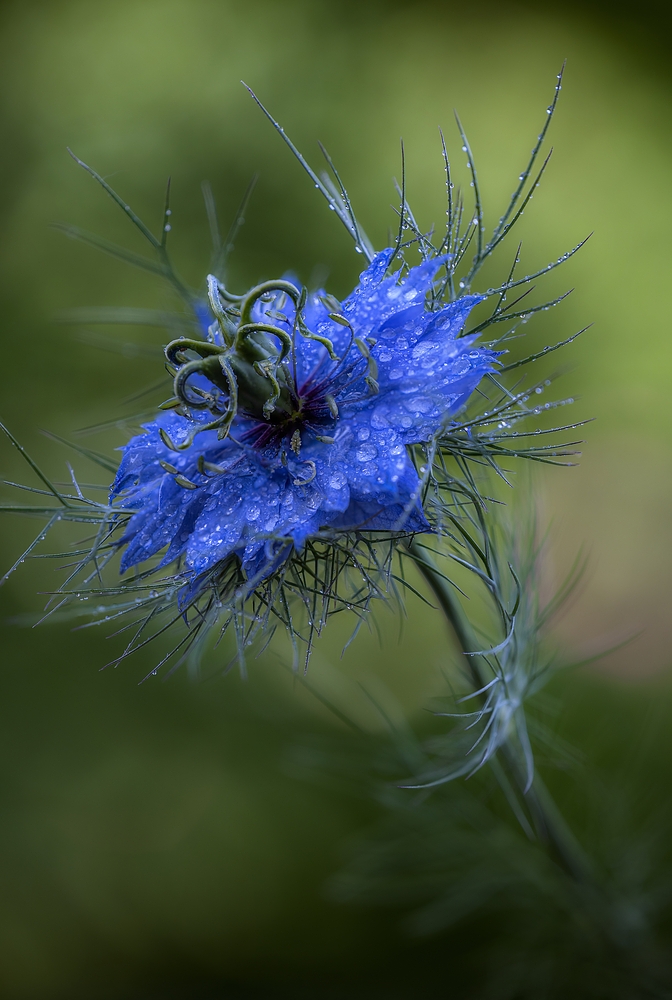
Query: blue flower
344	394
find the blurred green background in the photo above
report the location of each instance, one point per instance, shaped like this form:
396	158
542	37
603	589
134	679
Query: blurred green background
152	843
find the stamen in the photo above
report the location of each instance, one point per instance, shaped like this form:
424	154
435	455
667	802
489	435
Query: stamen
169	468
331	303
295	443
372	365
340	318
167	440
363	347
331	403
279	316
185	483
313	473
218	470
202	393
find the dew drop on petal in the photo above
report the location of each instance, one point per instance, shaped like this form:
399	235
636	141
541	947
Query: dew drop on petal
366	452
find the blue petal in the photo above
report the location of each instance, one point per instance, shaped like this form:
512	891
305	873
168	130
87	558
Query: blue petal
259	560
364	515
374	460
261	506
261	509
378	298
425	371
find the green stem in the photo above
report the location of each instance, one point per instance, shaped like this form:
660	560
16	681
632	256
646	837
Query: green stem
550	826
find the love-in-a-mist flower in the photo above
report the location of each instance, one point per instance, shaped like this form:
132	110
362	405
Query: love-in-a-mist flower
308	442
294	417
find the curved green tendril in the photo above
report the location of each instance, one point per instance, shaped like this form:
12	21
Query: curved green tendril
226	294
264	288
285	340
221	424
201	347
225	324
239	340
299	300
232	407
267	369
180	385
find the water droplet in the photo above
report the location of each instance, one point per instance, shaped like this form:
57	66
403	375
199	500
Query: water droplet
366	452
